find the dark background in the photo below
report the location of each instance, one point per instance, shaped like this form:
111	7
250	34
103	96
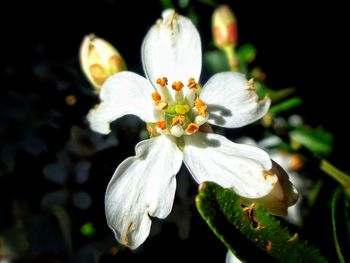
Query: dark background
301	45
298	45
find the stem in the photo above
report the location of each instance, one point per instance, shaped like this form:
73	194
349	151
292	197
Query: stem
231	57
334	172
334	225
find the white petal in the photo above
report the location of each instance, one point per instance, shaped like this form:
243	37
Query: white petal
172	49
294	213
282	196
211	157
123	93
231	258
231	103
142	186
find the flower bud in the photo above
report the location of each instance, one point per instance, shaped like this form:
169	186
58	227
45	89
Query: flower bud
282	196
224	27
99	60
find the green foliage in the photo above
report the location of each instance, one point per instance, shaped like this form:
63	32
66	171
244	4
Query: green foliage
166	4
215	62
245	55
318	141
250	231
285	105
335	201
277	95
334	172
184	3
87	229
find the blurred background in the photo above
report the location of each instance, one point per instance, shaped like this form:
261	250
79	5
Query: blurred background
54	170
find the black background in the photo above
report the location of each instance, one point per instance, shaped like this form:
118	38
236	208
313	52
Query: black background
298	45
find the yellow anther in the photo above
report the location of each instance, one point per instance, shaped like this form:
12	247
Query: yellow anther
149	130
177	86
192	128
156	96
152	131
251	85
98	73
182	109
162	81
198	103
161	105
192	84
203	111
201	107
178	119
161	125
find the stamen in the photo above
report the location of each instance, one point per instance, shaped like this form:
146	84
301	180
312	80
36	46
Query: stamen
201	107
152	131
192	84
199	103
149	130
192	128
251	85
161	105
178	119
177	131
156	96
177	86
200	120
161	125
162	81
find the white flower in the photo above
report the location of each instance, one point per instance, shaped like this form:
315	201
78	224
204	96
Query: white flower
231	258
143	186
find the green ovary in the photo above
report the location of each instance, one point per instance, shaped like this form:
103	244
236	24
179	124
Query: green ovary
178	109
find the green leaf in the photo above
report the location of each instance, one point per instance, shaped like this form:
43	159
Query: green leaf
335	201
318	141
183	3
314	193
335	173
285	105
277	95
192	15
347	214
211	3
246	53
166	4
250	231
215	61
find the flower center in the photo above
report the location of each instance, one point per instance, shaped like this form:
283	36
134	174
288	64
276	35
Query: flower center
177	114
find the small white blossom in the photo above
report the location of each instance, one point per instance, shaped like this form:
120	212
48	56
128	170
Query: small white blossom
178	111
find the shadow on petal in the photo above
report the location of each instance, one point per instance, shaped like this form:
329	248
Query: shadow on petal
218	112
